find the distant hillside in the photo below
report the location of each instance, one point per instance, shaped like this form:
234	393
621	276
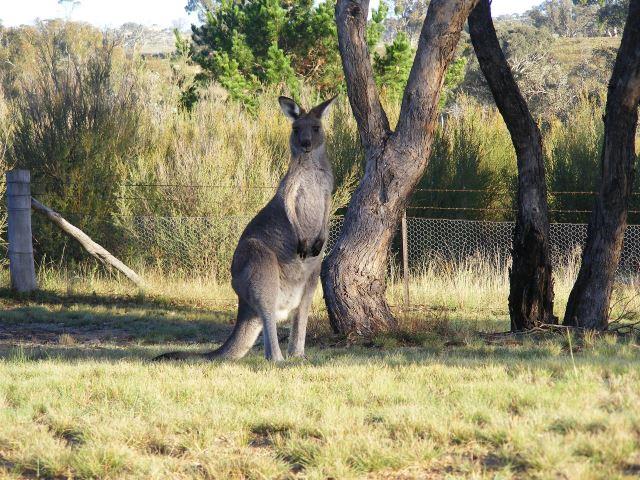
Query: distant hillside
152	40
571	52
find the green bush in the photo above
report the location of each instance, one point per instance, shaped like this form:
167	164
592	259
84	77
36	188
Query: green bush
573	150
473	156
245	46
572	158
392	69
77	116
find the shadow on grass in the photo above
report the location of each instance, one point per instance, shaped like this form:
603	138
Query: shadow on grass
48	297
48	317
514	359
112	328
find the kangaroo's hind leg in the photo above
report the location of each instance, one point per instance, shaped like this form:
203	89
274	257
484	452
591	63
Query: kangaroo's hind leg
265	304
258	283
299	325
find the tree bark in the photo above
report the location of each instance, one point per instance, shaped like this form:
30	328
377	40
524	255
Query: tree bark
590	298
353	274
530	279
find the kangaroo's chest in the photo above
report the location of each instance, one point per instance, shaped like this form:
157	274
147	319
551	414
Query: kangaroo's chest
312	197
293	282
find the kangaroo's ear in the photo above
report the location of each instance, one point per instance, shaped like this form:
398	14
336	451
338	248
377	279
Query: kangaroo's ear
320	111
290	108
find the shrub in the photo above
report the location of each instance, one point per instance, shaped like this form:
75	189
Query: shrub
572	156
471	151
77	118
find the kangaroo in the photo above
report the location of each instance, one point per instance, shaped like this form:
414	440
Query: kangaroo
276	265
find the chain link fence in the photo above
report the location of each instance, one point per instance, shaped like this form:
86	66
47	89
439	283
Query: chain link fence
205	244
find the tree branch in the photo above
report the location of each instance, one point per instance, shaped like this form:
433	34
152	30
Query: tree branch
351	19
95	250
513	107
436	48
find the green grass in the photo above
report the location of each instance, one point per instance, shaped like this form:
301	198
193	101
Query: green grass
80	399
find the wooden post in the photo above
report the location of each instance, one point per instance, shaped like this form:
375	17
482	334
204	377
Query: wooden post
405	260
21	266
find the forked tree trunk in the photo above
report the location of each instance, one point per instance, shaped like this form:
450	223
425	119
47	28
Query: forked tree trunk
353	275
590	298
531	283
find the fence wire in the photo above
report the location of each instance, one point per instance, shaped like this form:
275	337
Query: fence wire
205	244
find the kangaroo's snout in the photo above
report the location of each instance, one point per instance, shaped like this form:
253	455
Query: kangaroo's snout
305	143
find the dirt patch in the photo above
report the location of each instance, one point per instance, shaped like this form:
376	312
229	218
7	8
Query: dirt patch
60	334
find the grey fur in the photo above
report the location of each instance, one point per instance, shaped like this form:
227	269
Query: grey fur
276	264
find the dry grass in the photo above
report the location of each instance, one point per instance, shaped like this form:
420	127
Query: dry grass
459	413
79	398
475	288
573	51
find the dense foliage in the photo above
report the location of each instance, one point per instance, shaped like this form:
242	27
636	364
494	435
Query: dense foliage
247	45
102	131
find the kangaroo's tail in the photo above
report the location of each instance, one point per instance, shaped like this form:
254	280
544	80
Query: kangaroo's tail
242	338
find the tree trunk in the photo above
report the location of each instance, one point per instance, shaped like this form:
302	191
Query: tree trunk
531	283
354	274
590	298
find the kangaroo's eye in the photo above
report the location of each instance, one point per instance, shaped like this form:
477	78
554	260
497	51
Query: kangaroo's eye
316	129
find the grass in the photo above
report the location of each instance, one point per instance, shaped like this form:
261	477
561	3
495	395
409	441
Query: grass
488	412
438	399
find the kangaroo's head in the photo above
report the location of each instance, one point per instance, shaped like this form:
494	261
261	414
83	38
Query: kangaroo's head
306	132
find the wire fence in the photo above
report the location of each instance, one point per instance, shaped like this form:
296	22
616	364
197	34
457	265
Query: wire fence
205	244
167	242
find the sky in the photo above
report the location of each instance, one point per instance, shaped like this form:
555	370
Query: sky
165	13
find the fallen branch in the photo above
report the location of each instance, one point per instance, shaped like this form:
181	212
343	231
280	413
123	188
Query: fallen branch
95	250
624	328
615	328
547	328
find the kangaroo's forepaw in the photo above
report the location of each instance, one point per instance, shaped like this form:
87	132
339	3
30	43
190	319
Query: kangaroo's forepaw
316	248
303	249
